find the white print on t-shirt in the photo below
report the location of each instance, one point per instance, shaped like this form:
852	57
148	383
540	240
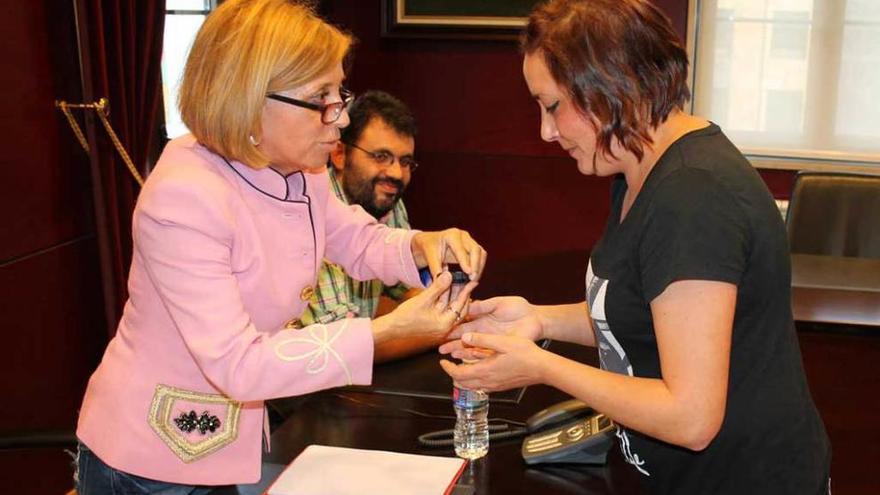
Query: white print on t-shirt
628	454
612	356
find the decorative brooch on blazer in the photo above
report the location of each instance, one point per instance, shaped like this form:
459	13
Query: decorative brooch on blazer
188	422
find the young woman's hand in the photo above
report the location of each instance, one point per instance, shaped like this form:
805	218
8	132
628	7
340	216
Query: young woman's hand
498	316
511	361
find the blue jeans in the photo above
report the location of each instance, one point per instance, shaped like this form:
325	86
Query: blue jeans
93	477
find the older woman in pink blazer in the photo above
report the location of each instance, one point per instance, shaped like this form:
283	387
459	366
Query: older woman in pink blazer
229	231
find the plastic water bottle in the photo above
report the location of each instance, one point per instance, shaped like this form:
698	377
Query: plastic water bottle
471	434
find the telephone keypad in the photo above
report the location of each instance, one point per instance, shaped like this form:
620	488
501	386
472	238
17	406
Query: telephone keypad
576	432
554	444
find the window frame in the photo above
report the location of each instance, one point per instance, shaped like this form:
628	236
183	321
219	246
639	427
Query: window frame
768	158
211	5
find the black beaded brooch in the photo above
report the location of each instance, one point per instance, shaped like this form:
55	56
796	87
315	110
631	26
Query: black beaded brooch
187	422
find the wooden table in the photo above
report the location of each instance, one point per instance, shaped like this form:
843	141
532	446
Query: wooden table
835	289
383	419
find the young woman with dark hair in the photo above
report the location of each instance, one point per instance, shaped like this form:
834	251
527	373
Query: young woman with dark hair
687	291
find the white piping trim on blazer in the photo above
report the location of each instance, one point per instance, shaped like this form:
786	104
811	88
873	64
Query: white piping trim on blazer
318	335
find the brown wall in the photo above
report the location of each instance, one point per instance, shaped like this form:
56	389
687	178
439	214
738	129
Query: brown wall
53	329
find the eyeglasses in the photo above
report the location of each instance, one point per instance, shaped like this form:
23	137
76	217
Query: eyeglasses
330	112
386	159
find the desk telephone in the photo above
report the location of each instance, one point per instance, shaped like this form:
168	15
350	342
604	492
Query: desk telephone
568	432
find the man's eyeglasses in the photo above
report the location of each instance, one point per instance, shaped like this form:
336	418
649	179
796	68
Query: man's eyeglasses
386	159
330	112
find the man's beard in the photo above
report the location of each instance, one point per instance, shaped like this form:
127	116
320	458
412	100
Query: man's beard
365	196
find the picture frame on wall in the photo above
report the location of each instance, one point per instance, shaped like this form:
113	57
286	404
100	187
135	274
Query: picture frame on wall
455	19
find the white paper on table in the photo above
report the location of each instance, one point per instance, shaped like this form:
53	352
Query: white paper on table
323	470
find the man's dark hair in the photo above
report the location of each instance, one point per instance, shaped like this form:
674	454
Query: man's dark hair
620	60
380	104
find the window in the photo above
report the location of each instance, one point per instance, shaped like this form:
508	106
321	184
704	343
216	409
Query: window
183	18
791	80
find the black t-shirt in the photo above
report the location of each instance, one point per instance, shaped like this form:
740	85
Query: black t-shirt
705	214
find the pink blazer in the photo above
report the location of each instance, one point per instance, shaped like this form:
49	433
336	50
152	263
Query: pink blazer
224	257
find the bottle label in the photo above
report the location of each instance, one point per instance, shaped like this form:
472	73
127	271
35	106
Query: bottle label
465	398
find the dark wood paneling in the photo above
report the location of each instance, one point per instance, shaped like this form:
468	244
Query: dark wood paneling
552	278
842	371
779	182
36	471
53	326
537	217
51	301
515	205
469	96
46	196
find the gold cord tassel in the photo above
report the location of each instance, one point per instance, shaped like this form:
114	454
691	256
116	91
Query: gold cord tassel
102	108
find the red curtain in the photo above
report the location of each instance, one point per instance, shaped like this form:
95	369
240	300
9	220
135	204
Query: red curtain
120	51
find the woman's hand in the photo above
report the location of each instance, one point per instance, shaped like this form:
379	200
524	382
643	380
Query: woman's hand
498	316
436	249
430	314
515	361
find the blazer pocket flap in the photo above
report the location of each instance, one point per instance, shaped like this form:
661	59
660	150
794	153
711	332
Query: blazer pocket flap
193	424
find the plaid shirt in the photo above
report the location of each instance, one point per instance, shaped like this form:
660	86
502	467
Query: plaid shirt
339	296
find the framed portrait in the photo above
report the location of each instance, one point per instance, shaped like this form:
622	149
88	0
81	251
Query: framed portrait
461	19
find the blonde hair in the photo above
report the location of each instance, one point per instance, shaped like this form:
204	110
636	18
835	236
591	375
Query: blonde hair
244	50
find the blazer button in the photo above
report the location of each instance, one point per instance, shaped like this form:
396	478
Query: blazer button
306	293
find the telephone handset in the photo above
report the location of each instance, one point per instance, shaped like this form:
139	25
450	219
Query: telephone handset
568	432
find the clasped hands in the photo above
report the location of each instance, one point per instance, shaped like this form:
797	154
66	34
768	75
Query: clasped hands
497	339
499	334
